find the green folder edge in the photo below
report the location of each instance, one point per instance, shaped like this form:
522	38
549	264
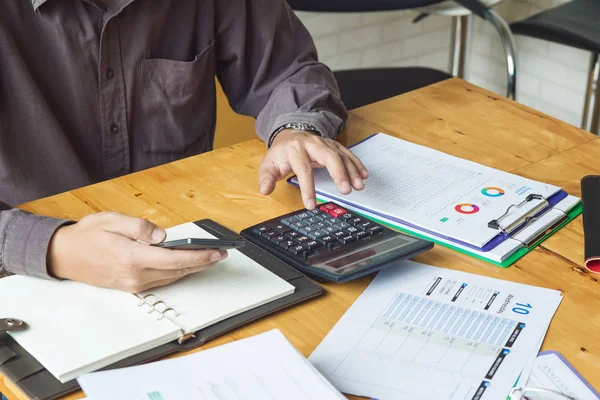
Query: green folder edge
571	214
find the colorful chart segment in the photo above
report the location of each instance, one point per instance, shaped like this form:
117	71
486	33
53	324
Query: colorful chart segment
467	208
492	191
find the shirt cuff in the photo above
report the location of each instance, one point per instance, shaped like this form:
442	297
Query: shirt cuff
327	123
25	246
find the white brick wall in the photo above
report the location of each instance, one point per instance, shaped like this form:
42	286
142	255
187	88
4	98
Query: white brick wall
551	78
357	40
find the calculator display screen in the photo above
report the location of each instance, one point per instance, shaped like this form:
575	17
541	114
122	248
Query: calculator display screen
352	258
366	256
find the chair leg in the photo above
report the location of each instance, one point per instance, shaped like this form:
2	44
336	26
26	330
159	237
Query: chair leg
508	41
596	110
462	31
591	109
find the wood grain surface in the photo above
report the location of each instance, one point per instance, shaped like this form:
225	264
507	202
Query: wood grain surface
452	116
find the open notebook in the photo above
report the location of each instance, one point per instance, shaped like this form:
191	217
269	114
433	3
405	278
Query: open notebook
75	328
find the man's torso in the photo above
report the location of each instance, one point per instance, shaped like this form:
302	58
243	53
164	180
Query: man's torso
88	94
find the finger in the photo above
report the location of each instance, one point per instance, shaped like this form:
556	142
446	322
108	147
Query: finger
134	228
300	164
161	281
332	160
165	259
155	275
353	174
149	278
355	160
268	175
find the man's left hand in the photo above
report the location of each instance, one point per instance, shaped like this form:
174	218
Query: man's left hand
300	152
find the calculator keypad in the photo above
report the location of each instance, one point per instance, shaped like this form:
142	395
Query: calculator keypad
332	243
307	233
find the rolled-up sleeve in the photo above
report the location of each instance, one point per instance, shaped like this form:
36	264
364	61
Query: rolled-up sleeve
268	67
24	240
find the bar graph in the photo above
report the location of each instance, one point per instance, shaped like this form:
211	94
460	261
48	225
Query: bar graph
449	319
416	336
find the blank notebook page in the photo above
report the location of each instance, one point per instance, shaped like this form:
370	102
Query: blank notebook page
76	328
73	325
231	287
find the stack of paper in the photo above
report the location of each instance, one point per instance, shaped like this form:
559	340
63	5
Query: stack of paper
421	332
262	367
451	201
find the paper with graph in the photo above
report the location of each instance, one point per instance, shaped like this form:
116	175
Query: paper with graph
420	332
433	191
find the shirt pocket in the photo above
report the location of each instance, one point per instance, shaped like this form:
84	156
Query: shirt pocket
177	103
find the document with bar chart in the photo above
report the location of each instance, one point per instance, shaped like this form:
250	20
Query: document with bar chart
421	332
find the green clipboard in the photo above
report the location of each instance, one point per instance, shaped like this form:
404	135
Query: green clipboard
571	215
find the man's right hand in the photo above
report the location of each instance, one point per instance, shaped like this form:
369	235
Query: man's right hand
102	250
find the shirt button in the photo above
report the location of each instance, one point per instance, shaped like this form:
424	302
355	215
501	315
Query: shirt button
110	73
114	128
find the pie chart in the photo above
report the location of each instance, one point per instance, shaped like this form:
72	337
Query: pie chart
467	208
492	191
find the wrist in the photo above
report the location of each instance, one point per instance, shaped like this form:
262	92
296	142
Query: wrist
26	241
294	127
55	265
285	134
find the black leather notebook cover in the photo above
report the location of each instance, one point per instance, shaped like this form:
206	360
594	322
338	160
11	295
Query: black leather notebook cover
29	375
590	197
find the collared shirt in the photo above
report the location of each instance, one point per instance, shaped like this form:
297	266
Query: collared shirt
89	93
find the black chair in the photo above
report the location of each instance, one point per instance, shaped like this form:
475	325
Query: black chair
359	87
364	86
575	24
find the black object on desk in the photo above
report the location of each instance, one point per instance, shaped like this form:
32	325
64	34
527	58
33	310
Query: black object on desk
330	243
33	379
590	197
202	244
575	24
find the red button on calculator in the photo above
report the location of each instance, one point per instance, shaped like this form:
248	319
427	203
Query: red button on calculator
328	207
337	212
333	210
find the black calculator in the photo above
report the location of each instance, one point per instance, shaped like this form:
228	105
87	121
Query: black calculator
333	244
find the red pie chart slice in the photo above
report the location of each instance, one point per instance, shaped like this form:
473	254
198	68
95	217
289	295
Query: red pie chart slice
467	208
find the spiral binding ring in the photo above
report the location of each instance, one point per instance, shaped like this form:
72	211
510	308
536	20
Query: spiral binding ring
153	305
162	314
143	299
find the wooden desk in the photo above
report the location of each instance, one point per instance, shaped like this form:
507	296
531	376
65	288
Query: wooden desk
452	116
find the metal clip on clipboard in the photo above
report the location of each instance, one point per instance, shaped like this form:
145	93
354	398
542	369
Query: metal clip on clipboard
513	228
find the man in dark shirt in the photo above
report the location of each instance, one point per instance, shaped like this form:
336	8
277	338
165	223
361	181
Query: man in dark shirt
94	89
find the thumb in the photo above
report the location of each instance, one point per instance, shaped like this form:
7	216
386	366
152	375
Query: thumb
268	176
135	228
